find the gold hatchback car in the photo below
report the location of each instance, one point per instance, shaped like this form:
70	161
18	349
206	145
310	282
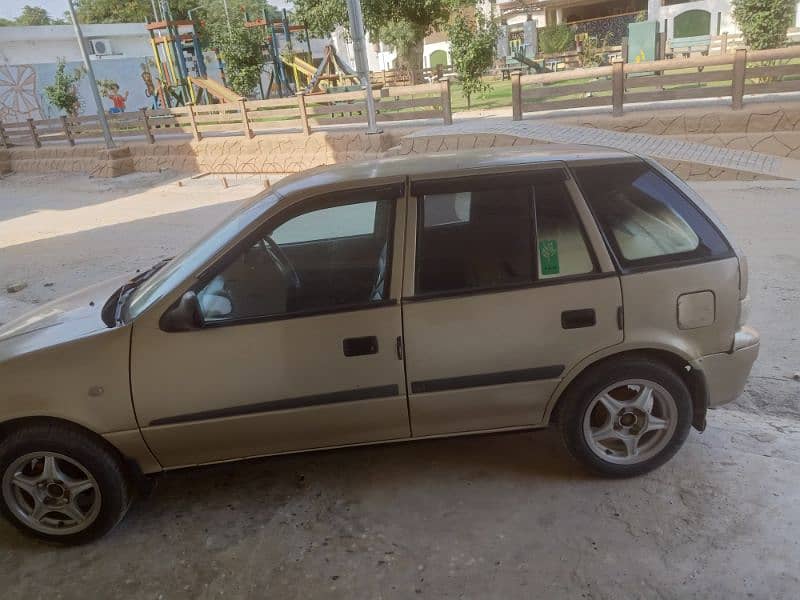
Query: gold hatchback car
400	299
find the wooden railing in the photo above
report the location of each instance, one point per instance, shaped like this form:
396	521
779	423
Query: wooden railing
396	77
305	113
727	75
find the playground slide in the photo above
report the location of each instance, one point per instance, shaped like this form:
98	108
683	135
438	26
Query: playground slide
531	63
301	65
215	88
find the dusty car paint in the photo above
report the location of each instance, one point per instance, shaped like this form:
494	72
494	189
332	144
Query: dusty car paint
176	388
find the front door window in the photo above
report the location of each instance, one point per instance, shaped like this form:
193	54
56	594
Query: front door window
316	261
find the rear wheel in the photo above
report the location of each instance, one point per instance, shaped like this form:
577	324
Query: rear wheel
60	484
627	417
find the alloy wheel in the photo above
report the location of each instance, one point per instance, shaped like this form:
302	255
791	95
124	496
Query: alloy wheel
630	421
51	493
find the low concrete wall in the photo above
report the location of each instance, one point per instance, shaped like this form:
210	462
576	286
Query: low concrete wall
754	118
5	162
771	128
778	143
262	154
444	143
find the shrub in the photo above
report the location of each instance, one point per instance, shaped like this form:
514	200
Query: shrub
764	23
555	39
63	92
472	46
240	50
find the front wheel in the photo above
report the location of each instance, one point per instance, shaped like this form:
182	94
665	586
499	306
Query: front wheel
627	417
60	484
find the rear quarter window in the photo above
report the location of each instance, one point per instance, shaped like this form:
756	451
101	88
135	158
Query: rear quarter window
647	220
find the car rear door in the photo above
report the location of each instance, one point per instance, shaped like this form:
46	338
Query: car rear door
280	367
507	285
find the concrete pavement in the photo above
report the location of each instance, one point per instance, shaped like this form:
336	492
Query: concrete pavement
501	516
659	147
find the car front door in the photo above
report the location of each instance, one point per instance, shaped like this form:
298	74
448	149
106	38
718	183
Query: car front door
507	287
299	346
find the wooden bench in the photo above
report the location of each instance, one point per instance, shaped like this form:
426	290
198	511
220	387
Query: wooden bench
686	45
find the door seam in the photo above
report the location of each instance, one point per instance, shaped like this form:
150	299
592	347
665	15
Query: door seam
407	200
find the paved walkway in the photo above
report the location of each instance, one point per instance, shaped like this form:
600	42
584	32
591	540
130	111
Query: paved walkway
637	143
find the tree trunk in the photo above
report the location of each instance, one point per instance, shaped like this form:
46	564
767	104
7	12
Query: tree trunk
409	58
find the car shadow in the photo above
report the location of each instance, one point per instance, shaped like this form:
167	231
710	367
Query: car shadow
262	489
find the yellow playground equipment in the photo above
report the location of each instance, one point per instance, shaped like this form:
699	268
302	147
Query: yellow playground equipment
331	72
213	88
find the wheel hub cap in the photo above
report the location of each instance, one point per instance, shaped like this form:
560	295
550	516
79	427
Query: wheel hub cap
630	421
51	493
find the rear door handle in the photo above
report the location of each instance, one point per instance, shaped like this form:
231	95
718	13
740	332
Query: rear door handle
360	346
575	319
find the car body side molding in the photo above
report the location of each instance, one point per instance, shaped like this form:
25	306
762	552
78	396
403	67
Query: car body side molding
485	379
370	393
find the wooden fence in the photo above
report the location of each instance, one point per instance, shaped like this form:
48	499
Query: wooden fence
396	77
302	112
730	75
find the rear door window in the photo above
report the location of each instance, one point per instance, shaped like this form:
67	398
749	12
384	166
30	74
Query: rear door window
647	220
484	234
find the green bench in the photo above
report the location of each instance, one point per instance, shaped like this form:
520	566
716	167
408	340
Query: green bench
686	45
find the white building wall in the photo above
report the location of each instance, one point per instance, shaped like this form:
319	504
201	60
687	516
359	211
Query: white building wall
431	48
656	12
537	16
46	43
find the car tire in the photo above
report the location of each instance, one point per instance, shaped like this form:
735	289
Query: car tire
61	484
609	425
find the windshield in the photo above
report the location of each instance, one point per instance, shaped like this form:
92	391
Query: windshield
185	265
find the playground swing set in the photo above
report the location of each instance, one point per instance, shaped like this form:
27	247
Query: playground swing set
326	77
175	52
183	77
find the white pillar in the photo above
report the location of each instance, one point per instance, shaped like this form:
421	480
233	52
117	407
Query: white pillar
654	10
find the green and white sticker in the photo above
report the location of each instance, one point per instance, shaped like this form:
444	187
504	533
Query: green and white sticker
548	257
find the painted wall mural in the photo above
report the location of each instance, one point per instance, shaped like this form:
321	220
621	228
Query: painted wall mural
126	85
19	98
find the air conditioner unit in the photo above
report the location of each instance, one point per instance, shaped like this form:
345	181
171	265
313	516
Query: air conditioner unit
101	47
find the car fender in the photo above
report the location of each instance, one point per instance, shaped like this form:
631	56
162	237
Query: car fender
672	345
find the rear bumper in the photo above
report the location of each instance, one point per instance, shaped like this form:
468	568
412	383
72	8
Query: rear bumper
726	373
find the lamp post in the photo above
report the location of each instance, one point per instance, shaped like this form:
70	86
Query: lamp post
101	113
362	64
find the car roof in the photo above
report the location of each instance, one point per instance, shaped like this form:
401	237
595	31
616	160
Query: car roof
440	164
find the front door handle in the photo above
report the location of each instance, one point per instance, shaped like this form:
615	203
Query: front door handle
575	319
360	346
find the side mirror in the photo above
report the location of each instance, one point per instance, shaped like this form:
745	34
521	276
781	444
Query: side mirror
185	315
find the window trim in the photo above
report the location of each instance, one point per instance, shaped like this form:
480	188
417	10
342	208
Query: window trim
552	174
662	261
312	312
462	293
393	193
584	236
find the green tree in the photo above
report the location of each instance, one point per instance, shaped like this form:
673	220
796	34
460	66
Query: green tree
764	22
555	39
126	11
137	11
401	23
472	46
240	50
33	15
63	92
